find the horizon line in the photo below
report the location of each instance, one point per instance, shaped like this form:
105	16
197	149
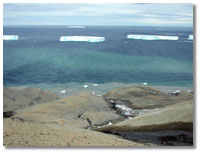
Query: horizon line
99	25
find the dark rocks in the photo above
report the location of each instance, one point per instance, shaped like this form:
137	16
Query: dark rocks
8	114
161	138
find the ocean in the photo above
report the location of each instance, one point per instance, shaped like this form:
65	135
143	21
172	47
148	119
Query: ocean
39	59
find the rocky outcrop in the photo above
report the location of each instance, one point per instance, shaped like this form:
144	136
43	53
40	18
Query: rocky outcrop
76	110
174	117
99	118
40	118
139	97
18	133
15	98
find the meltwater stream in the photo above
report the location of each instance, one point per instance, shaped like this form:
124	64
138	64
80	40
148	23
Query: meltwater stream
123	109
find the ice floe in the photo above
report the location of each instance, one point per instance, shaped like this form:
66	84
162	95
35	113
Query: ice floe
152	37
85	86
190	37
82	38
10	37
76	26
95	85
63	91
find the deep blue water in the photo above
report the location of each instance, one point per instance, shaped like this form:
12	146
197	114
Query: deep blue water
39	58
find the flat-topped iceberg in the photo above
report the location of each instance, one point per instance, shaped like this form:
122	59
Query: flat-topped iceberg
76	26
190	37
82	38
10	37
152	37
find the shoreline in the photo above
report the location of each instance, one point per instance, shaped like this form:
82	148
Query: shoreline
70	89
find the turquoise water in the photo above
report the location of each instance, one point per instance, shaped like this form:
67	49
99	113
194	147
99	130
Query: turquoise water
38	59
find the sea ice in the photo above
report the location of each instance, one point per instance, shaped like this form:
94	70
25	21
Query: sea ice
10	37
190	37
76	26
152	37
63	91
95	85
82	38
85	86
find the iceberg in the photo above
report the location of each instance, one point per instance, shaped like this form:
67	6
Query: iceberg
95	84
82	38
145	83
190	37
152	37
85	86
63	91
76	26
10	37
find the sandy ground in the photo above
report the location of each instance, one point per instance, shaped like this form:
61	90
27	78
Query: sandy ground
18	133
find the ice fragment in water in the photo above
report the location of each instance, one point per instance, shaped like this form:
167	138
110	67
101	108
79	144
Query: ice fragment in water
152	37
63	91
95	84
10	37
190	37
82	38
85	86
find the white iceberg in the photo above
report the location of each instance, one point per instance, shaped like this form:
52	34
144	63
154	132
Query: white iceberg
63	91
82	38
145	83
85	86
152	37
190	37
76	26
95	84
10	37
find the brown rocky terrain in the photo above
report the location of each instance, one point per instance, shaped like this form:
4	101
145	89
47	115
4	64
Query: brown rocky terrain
20	97
33	117
77	110
140	97
175	117
19	133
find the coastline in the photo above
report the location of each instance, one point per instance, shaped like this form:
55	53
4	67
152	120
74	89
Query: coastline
116	116
67	90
